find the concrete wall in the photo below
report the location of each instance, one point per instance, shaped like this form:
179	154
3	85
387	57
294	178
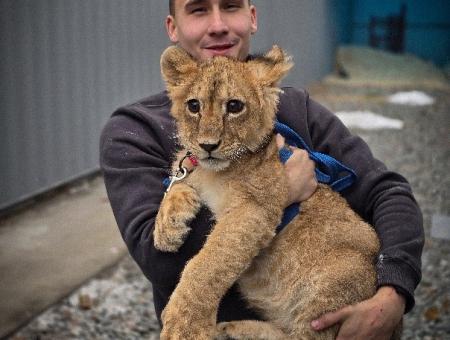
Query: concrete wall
309	30
66	65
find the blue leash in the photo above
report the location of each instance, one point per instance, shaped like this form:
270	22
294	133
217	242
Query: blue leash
333	173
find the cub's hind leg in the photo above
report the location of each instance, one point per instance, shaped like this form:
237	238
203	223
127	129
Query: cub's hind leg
293	298
346	279
249	330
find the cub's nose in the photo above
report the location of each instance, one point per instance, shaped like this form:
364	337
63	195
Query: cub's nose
209	147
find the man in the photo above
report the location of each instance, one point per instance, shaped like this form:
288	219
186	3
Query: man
136	148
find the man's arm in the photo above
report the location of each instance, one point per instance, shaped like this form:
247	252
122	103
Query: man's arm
382	197
134	161
136	147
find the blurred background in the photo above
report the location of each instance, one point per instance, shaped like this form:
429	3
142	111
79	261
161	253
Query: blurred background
65	66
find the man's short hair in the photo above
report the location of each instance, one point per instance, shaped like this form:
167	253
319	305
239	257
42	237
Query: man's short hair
172	7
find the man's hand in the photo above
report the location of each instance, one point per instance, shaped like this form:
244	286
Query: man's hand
375	318
300	173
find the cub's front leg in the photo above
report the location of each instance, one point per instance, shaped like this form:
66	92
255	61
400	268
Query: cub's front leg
178	207
235	240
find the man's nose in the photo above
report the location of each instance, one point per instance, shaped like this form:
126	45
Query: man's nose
217	24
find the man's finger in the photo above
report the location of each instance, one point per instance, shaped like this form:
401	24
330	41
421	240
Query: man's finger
329	319
280	141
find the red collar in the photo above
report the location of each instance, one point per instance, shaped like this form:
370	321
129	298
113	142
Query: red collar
189	162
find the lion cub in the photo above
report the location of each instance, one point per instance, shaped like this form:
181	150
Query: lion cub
225	111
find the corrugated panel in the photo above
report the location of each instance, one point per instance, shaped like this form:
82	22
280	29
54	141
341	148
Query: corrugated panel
65	65
307	29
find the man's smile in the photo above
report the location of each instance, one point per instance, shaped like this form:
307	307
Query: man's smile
220	48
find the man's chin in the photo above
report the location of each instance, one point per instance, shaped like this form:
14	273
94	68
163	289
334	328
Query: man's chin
215	164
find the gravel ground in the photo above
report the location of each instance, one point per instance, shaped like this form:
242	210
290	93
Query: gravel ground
420	151
118	303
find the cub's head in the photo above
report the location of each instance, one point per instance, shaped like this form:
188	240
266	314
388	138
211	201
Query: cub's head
224	108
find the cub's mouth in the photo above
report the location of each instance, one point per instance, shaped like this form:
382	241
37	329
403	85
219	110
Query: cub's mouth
208	156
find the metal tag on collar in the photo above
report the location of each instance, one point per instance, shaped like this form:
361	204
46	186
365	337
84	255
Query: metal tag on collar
187	155
181	173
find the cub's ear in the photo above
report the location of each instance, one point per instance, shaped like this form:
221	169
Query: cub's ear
272	67
176	66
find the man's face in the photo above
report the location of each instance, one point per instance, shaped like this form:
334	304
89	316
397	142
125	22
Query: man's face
208	28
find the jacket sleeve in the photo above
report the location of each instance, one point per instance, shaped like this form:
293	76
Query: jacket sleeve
382	197
135	157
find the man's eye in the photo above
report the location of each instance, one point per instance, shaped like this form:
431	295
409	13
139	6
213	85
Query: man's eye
233	5
198	10
235	106
193	105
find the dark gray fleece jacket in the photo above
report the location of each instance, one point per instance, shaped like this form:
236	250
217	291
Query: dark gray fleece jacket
136	149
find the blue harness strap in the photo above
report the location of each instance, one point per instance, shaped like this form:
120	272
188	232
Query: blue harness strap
328	170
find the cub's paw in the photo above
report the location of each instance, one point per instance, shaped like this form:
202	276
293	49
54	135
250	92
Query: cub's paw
178	325
222	333
229	331
175	333
248	330
179	206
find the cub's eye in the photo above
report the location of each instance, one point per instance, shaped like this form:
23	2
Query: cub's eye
235	106
193	105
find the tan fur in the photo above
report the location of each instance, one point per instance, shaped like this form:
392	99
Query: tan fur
320	262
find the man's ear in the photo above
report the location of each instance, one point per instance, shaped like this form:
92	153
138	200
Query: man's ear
272	67
176	65
172	30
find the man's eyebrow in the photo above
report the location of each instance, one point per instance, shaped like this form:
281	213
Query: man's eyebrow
193	2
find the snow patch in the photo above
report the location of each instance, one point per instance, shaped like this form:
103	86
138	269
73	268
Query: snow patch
440	227
368	120
413	98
